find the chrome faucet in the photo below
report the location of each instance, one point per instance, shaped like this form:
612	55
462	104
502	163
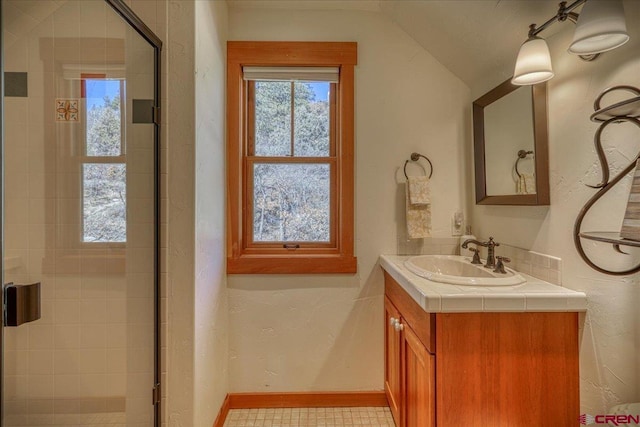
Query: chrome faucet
490	245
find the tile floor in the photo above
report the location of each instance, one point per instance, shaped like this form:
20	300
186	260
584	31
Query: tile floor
102	419
310	417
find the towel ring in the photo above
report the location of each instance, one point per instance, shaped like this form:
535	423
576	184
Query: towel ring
521	155
415	157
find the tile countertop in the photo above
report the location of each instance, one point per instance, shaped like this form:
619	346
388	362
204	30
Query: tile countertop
434	297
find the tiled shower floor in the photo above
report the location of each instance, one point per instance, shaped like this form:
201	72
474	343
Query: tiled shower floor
310	417
103	419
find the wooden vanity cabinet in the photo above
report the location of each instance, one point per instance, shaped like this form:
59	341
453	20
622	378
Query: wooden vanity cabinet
409	373
418	381
479	369
409	359
392	362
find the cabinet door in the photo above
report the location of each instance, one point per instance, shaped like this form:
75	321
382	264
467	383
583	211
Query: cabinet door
418	378
392	361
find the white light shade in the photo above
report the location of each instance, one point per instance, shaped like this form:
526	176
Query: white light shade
533	64
600	27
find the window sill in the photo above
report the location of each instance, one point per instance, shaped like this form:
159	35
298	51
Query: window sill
279	264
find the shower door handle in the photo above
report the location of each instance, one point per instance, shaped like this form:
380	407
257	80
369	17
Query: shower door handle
21	303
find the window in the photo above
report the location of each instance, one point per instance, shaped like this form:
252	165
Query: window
290	157
290	154
104	201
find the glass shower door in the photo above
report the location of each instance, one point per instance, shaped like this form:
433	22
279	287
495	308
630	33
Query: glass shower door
80	216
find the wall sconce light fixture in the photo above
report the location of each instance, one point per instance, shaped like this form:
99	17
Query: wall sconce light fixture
600	27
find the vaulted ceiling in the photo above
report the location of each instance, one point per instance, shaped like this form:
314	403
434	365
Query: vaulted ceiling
472	38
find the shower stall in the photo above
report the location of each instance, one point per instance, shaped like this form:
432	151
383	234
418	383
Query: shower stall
80	215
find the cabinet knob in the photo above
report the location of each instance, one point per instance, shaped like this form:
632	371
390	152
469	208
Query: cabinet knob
399	326
392	321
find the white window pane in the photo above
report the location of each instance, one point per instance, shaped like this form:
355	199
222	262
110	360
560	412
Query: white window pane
273	119
104	129
311	130
291	203
104	202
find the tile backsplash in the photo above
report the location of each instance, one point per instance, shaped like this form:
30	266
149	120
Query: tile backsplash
541	266
428	246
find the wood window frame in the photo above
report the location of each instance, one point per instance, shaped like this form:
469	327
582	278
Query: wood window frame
243	256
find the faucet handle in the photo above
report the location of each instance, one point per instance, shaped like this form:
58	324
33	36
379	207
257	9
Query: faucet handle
500	264
476	256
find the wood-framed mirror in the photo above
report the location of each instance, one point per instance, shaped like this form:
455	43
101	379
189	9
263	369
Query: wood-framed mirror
511	152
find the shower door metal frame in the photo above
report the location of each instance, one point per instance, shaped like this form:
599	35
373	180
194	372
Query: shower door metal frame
141	28
121	8
2	214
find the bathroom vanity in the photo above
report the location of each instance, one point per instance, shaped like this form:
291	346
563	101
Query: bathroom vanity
480	355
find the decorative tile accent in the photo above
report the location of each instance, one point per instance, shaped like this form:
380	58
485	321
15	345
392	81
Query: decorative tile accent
15	84
67	110
310	417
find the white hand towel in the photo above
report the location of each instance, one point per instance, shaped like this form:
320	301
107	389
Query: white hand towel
526	184
519	185
419	190
418	218
631	222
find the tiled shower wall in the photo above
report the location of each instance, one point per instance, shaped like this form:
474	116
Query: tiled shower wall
92	350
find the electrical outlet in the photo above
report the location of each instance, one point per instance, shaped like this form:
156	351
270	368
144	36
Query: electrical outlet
457	223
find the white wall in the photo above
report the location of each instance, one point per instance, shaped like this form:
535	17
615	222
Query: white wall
610	342
211	341
302	333
179	129
194	308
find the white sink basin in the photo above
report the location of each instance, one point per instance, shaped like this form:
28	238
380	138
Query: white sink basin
458	270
